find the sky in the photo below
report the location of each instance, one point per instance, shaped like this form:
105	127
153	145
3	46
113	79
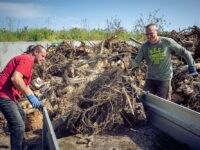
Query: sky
66	14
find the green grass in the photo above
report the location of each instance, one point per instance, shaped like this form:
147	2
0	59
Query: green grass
45	34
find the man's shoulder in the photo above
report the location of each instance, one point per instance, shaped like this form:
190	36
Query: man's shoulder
145	44
23	56
166	39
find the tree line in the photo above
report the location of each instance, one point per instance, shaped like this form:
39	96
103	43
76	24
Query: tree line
113	27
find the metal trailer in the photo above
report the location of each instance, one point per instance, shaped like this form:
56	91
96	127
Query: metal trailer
49	141
181	123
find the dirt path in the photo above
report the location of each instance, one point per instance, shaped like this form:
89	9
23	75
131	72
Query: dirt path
145	137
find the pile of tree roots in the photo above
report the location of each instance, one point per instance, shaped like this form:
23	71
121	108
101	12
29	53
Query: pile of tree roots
88	88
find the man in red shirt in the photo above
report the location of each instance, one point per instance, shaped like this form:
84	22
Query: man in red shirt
14	82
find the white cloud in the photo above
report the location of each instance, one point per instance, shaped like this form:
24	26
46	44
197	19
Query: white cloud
21	10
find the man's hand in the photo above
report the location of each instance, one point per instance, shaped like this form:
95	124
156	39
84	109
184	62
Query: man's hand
34	101
193	71
133	71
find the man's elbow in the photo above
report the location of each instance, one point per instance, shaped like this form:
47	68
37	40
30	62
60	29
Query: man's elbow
16	77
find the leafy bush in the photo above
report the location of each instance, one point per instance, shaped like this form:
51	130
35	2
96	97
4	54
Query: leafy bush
45	34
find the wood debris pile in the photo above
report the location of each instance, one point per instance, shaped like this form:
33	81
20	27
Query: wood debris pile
185	88
88	88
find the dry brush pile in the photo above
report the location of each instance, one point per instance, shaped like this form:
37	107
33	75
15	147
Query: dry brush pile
92	90
185	88
88	88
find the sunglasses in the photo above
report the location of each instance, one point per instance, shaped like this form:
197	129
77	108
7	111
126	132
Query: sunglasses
149	34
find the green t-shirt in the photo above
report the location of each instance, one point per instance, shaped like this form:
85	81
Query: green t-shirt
158	58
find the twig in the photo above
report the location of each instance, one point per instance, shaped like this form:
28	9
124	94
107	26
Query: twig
128	99
102	47
137	42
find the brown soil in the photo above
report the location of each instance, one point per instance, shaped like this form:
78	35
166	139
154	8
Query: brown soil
144	137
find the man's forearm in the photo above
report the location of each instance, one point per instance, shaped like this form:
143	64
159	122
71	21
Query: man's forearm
134	64
17	80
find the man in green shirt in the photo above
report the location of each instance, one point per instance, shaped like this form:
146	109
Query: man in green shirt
157	52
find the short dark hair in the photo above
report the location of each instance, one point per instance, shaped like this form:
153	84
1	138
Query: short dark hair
149	25
32	48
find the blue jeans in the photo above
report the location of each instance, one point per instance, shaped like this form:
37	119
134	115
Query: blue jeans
160	88
15	117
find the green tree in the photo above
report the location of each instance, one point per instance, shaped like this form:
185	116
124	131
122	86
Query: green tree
153	17
113	24
114	27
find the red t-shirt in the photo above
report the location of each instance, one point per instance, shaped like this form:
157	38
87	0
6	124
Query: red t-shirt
23	64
